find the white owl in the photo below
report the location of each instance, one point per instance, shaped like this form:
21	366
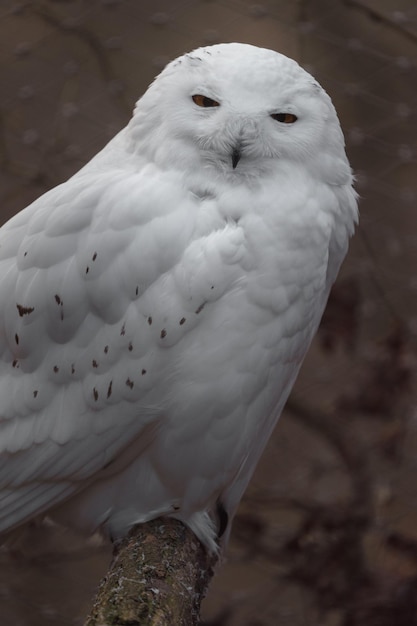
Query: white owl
155	309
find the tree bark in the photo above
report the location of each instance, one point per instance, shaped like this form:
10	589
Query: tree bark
158	577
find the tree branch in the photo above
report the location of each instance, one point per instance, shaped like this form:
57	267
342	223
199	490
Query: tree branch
158	577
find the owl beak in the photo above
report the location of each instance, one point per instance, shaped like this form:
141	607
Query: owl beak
235	157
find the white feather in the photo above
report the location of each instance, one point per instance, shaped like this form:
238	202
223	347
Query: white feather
155	309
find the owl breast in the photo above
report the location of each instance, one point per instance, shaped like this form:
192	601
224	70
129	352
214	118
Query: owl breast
228	326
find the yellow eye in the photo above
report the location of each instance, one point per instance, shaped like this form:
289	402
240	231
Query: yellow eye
284	118
203	101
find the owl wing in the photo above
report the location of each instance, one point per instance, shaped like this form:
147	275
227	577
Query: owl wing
85	285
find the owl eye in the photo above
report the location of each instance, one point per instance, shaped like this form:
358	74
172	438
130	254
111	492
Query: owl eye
203	101
284	118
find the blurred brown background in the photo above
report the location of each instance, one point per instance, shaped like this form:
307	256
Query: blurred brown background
327	534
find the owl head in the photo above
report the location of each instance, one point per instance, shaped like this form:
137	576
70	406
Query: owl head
239	110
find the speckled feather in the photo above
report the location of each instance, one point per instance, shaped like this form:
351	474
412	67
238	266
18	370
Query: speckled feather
155	309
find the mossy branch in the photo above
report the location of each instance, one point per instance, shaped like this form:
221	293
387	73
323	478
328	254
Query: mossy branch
158	577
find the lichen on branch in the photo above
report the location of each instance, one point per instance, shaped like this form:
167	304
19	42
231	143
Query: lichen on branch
158	577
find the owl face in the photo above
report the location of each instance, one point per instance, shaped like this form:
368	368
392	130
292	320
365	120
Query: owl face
240	110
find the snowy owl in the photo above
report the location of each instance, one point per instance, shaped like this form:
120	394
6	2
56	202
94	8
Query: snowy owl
155	308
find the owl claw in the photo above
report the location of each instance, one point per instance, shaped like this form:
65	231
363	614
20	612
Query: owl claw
223	518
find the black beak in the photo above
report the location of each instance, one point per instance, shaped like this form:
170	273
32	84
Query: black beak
235	157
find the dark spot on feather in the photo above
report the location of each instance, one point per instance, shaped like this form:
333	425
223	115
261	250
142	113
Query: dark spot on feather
149	320
109	389
60	303
24	310
106	349
95	364
16	338
72	368
143	372
95	394
123	330
56	369
94	256
15	362
130	347
137	291
175	507
87	269
212	287
129	383
25	254
163	333
200	308
35	393
182	321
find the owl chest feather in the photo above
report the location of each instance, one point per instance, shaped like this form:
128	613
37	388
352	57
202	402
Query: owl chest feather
173	331
252	293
